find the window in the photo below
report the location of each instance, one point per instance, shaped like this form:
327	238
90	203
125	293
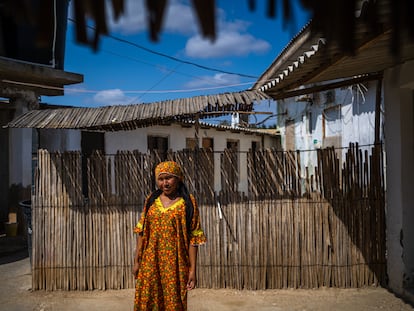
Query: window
255	145
191	143
159	144
233	145
208	143
90	142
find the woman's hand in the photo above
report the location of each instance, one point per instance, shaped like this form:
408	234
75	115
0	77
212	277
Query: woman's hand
192	280
135	269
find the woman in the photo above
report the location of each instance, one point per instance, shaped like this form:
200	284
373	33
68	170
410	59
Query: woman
168	235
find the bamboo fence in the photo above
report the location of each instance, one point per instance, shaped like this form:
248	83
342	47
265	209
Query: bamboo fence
293	229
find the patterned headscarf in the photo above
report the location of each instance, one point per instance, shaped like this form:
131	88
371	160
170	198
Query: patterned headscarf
171	168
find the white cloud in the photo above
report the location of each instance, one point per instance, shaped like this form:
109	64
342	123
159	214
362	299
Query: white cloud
233	38
227	44
219	79
132	20
178	18
113	97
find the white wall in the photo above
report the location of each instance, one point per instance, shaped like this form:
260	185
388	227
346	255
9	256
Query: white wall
20	150
69	140
347	117
399	138
59	139
20	157
137	140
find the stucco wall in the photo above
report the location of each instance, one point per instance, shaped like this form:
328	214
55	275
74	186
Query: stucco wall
20	157
20	150
59	140
137	139
399	133
332	118
70	140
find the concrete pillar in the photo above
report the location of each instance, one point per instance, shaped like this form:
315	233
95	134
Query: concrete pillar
399	146
407	174
243	184
245	145
217	172
20	149
407	185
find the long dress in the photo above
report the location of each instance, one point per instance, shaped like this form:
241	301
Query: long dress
164	260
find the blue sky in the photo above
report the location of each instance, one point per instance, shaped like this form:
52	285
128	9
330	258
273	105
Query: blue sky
121	73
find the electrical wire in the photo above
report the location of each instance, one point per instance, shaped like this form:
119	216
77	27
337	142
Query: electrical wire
76	90
170	70
159	81
169	56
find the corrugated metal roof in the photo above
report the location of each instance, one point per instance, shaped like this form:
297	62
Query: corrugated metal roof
114	118
311	59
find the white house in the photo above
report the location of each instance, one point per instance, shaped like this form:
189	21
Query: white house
175	137
331	118
311	65
144	127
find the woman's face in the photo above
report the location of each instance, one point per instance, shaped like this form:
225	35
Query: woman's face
167	183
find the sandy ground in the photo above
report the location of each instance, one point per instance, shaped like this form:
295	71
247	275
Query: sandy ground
16	295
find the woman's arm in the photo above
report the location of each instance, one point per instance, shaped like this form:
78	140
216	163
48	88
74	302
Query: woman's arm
135	267
192	274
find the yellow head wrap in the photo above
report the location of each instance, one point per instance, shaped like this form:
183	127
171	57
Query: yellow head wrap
169	167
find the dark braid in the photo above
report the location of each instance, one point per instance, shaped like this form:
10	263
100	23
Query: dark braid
189	207
181	191
155	194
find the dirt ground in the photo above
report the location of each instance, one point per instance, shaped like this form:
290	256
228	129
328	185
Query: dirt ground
16	295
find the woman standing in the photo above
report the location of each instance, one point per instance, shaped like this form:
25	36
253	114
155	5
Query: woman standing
169	233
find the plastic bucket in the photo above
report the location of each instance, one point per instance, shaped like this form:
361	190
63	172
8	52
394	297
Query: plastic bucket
11	228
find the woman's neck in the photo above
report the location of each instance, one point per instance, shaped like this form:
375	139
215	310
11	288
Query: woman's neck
171	196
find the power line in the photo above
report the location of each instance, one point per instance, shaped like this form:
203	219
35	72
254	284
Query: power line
169	56
170	71
76	90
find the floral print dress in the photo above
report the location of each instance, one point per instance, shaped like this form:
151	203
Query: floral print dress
164	260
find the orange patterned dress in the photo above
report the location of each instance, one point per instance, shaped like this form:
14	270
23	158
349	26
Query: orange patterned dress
164	260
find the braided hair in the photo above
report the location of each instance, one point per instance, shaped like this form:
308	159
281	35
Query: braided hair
181	191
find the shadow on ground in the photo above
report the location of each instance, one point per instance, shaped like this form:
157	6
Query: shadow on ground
12	248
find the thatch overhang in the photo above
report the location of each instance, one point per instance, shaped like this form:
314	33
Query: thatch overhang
311	59
128	117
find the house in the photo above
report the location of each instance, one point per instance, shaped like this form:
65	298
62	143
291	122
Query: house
160	126
311	65
331	118
31	65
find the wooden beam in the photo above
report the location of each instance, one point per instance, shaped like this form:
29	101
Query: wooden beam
239	112
41	79
324	87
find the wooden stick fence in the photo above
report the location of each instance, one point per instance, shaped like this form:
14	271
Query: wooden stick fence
292	229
